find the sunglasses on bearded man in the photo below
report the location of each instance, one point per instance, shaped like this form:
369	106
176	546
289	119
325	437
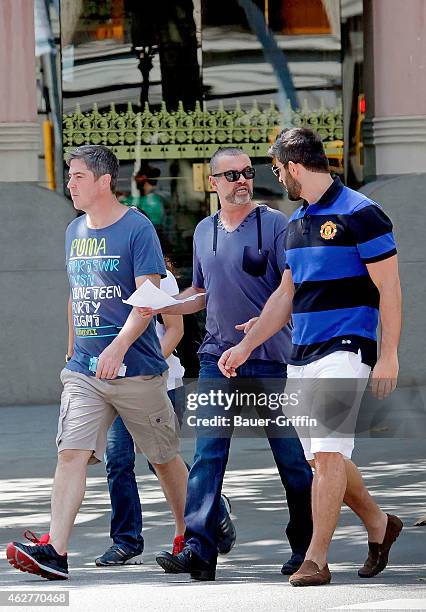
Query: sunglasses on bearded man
233	175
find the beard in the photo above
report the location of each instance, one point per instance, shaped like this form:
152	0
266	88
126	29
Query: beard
239	199
293	187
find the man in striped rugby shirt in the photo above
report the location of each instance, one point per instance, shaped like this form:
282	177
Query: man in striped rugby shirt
341	276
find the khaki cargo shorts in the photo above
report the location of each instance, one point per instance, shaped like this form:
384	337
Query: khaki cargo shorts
89	406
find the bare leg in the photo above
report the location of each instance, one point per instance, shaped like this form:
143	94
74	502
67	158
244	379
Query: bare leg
173	477
360	501
328	489
68	491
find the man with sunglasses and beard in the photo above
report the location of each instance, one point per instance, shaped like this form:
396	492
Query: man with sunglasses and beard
238	260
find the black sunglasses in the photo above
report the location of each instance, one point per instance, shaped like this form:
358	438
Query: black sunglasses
233	175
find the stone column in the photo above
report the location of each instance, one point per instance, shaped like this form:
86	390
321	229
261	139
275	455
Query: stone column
19	130
395	153
395	66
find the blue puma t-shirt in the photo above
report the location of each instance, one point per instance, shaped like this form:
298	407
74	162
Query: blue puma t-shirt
102	265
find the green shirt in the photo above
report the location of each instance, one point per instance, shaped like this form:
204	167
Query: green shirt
152	205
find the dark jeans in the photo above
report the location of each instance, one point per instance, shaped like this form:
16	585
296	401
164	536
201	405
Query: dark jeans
126	511
211	457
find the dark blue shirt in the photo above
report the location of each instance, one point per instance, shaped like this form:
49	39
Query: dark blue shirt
102	266
336	304
233	295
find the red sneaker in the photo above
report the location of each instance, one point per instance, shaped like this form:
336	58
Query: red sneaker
178	545
30	535
38	558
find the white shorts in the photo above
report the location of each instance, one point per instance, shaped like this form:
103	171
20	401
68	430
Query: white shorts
341	398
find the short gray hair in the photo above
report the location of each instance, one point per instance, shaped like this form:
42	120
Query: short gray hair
99	160
224	152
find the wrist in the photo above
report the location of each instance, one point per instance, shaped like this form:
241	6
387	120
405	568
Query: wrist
389	353
247	345
120	345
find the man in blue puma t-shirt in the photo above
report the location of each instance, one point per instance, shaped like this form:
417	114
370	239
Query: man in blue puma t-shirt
116	366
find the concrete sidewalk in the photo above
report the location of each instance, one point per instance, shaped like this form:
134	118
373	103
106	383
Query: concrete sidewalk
249	577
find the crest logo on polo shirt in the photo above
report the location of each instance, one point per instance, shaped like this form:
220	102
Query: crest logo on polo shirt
328	230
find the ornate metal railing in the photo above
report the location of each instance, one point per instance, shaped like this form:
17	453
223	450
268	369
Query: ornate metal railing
195	134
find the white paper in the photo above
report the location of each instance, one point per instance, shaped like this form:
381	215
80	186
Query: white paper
150	296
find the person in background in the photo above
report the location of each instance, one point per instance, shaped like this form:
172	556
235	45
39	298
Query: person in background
149	202
126	511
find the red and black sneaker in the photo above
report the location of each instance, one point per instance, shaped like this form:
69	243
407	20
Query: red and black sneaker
178	545
38	558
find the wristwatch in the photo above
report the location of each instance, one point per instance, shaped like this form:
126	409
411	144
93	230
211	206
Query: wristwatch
67	357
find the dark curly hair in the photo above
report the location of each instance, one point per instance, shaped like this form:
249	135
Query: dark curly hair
301	146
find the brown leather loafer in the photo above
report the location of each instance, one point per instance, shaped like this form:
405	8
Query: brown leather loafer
309	574
378	554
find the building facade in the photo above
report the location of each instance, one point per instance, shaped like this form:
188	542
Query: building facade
164	86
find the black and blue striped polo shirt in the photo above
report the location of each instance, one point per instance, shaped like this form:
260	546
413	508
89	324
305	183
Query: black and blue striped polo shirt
336	304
